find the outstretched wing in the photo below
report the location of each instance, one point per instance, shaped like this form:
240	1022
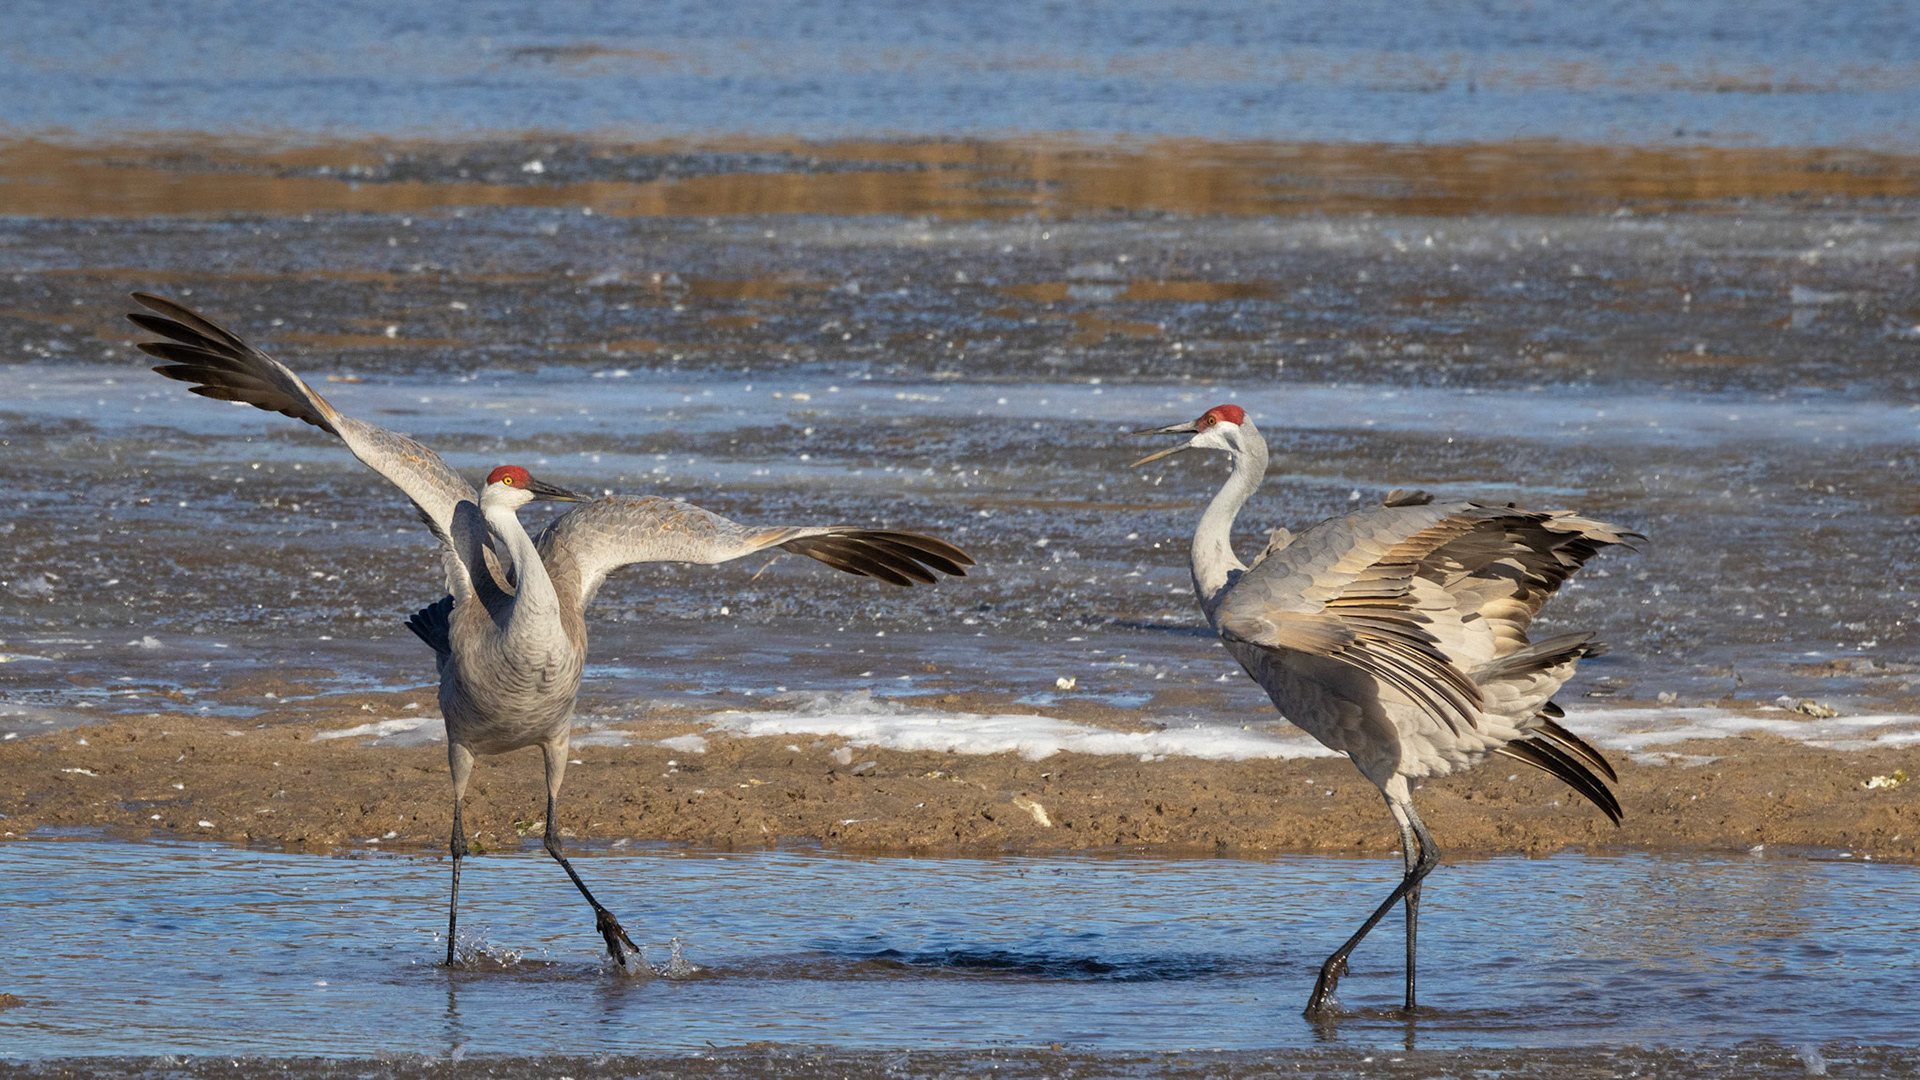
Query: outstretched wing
588	542
220	365
1434	601
1345	589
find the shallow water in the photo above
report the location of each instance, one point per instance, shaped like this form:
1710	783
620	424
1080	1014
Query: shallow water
214	949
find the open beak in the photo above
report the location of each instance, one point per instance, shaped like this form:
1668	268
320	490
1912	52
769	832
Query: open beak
1185	428
555	494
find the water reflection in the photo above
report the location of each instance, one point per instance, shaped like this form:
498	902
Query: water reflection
975	179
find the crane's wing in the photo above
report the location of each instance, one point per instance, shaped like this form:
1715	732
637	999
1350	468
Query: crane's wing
1344	589
1434	601
221	366
585	544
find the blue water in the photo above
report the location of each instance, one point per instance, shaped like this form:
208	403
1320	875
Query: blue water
152	948
1721	72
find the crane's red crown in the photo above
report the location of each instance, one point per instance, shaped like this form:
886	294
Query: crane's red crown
1232	414
510	475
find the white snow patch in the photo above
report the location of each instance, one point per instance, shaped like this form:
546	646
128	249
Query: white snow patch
1637	730
865	723
1642	733
400	731
691	744
600	737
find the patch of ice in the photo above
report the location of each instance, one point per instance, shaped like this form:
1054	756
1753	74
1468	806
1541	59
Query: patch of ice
601	737
1032	737
692	744
400	731
1637	729
1640	732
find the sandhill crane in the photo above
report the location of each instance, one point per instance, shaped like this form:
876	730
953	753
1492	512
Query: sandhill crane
509	638
1397	635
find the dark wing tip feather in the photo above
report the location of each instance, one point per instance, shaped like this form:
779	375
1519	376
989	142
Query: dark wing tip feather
183	318
929	545
224	367
897	558
848	558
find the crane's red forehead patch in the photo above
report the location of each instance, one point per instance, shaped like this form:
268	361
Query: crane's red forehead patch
511	475
1232	414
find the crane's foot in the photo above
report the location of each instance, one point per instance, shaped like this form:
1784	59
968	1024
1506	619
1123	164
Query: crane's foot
620	947
1322	1000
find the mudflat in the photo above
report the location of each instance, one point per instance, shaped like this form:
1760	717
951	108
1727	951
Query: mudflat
272	782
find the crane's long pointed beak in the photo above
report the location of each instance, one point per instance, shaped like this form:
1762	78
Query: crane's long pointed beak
1158	454
1185	427
542	490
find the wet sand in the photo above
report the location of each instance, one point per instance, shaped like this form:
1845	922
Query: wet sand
1050	178
271	783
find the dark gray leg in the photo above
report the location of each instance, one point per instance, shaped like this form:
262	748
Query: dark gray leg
619	945
460	765
1408	841
459	849
1336	964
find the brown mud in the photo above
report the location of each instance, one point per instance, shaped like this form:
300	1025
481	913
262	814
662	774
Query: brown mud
272	784
1048	178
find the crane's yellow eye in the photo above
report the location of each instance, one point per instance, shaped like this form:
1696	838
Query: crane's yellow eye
506	480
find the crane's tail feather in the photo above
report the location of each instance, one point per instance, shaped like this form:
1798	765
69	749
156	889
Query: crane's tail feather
1544	754
1575	746
432	623
223	366
897	558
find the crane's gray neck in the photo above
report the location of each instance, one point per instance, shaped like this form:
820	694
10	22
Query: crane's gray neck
1215	566
534	595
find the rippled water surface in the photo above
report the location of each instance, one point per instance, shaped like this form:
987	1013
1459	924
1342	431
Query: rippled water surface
148	948
1772	73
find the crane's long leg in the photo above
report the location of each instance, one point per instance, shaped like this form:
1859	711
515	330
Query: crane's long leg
619	945
1402	816
460	762
1409	886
